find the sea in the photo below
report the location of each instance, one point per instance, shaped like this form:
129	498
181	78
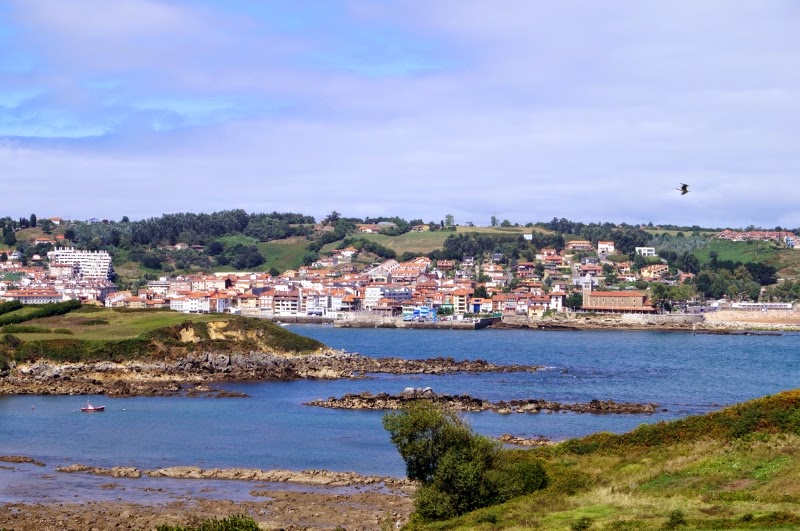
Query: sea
685	374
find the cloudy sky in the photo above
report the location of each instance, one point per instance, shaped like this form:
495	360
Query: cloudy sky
522	109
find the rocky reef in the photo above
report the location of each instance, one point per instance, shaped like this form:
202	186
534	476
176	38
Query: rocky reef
381	401
169	376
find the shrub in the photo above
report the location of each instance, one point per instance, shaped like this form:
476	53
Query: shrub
46	310
10	306
582	524
676	520
25	329
459	470
519	479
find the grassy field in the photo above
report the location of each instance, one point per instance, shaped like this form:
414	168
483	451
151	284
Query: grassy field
106	323
734	469
786	261
283	254
425	242
94	333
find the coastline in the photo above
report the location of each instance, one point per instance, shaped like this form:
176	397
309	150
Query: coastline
277	499
194	373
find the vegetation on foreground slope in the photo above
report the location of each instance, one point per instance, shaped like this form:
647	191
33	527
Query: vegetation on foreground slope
94	334
733	469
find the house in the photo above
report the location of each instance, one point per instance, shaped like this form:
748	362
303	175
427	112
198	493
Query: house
605	247
369	229
645	251
579	245
615	301
33	296
420	228
655	271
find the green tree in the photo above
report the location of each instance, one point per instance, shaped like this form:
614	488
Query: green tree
505	223
449	220
574	301
493	221
47	226
459	470
422	434
480	293
273	272
33	220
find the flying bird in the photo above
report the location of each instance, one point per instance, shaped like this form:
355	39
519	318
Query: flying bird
684	189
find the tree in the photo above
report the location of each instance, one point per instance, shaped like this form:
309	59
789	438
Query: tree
33	220
125	219
47	226
449	220
273	272
480	293
3	258
331	218
505	223
574	301
493	221
459	471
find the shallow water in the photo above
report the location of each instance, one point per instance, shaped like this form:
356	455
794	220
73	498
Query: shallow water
686	374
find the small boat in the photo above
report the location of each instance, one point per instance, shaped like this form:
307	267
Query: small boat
90	408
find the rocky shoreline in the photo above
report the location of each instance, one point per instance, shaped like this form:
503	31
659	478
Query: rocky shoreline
192	374
318	499
385	401
306	477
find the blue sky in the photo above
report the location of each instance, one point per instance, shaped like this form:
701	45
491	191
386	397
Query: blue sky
525	110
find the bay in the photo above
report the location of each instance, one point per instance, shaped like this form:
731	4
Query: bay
686	374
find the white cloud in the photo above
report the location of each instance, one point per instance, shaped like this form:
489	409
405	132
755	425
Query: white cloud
592	111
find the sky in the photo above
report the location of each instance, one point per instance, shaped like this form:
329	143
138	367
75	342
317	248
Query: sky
524	110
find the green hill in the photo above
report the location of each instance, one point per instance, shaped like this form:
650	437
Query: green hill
737	468
93	333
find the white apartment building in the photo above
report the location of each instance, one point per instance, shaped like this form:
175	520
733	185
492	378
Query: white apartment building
646	251
372	294
92	265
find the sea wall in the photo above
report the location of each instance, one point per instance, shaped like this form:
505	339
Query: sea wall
663	319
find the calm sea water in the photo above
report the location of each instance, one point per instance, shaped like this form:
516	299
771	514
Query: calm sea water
685	373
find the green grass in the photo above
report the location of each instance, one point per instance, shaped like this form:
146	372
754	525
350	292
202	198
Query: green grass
425	242
785	261
121	325
732	469
738	251
93	333
283	254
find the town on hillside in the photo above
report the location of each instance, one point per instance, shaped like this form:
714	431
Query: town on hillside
581	276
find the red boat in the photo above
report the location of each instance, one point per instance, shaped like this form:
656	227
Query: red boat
90	408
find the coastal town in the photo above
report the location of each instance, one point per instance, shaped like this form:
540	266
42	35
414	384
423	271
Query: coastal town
338	286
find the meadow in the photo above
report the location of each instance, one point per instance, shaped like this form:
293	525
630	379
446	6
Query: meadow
732	469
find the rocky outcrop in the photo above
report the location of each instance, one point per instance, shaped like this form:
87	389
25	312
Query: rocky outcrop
20	459
382	401
306	477
114	472
507	438
173	376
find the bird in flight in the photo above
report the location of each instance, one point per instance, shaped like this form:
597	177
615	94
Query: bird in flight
684	189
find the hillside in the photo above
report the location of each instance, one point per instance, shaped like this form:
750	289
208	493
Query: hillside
92	333
733	469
